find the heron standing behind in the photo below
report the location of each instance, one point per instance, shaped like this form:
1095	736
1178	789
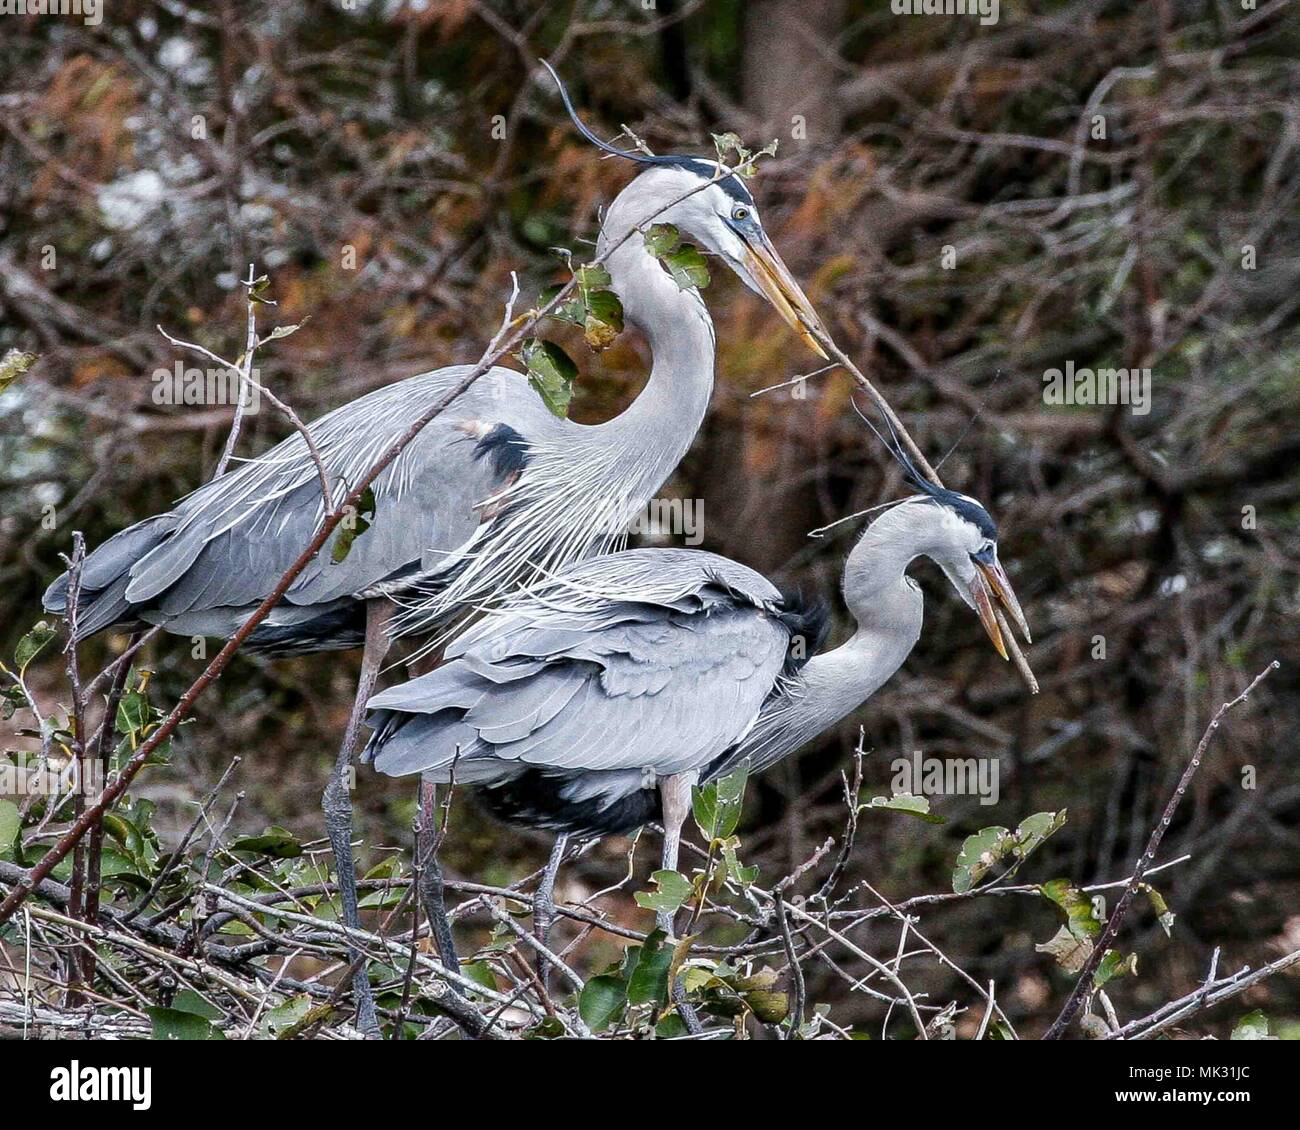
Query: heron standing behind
493	492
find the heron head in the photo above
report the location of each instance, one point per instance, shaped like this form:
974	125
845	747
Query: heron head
711	204
962	538
955	532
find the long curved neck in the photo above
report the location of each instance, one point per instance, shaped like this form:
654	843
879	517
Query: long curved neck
887	607
652	436
837	682
889	611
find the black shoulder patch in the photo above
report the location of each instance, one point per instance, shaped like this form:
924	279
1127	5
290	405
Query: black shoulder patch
808	622
506	448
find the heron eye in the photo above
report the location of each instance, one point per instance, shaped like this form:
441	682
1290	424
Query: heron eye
740	213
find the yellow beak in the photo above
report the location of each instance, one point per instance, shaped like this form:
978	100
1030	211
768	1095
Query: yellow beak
779	287
981	595
991	582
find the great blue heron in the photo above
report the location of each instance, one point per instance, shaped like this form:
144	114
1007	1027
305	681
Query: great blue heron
593	702
491	492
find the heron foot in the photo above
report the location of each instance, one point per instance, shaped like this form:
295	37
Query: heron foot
432	889
666	923
685	1009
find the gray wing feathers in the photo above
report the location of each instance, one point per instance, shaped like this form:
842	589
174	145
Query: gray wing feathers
443	689
645	685
110	560
225	545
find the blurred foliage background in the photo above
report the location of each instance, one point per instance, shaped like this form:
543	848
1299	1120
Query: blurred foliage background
942	189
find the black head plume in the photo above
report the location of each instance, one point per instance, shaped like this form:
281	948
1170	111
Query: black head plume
731	184
962	505
911	474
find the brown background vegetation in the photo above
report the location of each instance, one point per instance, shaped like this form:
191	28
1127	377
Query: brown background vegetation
373	129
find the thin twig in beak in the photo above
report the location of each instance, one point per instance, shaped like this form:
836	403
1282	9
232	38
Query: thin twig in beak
918	457
1017	656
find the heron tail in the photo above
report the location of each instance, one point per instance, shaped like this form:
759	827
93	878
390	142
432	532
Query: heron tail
105	574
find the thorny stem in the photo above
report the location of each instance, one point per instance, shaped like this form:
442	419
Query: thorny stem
1084	985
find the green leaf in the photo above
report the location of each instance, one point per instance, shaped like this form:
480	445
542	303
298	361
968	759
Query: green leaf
736	872
978	854
1112	965
687	267
661	239
286	1015
759	992
133	713
601	1001
982	851
31	645
11	822
604	320
551	372
648	983
173	1024
1161	908
592	278
480	972
913	805
390	868
11	700
768	1005
382	899
1081	912
674	890
727	143
1035	829
283	331
549	1028
275	842
570	310
187	1000
13	365
257	290
716	806
1252	1026
597	310
671	1027
683	261
353	526
1071	953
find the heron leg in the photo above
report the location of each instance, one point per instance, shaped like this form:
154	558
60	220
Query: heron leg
675	794
432	890
337	804
544	902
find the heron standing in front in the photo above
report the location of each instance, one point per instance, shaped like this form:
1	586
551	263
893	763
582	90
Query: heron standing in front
594	702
